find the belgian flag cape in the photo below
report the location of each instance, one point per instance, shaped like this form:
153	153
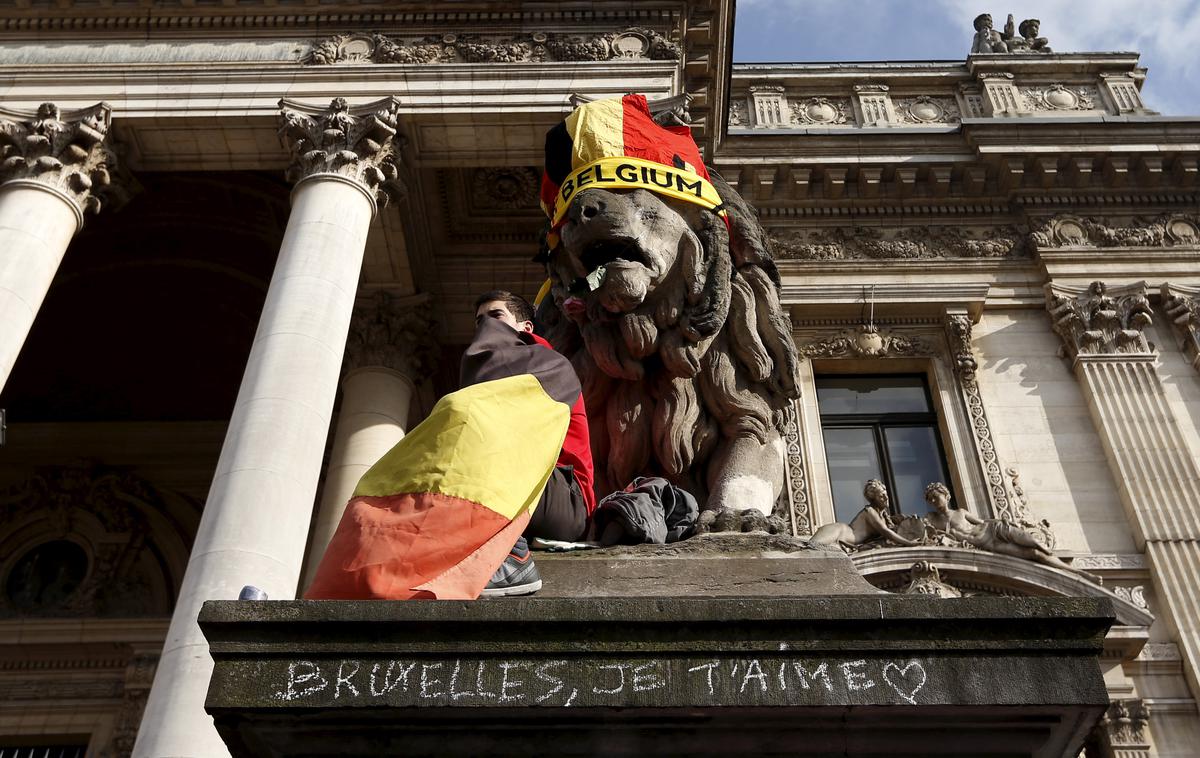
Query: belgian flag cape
439	512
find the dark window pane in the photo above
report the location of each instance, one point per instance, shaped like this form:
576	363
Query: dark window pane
853	460
916	461
871	394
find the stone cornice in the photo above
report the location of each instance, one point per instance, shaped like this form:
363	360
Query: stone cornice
357	143
63	150
1099	320
249	15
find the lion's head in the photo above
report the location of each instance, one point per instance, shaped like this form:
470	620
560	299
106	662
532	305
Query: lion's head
673	320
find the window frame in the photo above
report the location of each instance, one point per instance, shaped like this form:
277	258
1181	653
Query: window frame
879	422
955	426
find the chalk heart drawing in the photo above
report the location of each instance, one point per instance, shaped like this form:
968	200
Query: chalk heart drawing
906	686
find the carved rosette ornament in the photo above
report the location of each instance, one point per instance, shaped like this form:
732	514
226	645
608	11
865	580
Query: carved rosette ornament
867	341
66	151
358	143
1100	320
395	333
1182	304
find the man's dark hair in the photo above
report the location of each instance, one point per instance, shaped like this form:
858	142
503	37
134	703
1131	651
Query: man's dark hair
518	306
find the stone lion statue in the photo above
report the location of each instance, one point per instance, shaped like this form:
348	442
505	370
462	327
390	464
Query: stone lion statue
684	352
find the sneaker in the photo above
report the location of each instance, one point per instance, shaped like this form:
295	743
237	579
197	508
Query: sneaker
516	576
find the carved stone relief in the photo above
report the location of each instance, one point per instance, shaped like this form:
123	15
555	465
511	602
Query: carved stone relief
359	143
867	342
927	110
1182	305
139	676
1166	230
737	112
1123	730
925	579
391	333
821	111
79	541
1099	319
631	43
797	480
1059	97
962	360
506	188
917	242
64	150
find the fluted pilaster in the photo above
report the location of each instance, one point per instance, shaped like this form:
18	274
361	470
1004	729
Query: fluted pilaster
1102	329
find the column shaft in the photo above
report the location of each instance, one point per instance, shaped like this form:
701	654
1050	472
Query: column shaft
256	519
373	418
37	223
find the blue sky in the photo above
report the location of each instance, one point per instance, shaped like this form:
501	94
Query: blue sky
1165	32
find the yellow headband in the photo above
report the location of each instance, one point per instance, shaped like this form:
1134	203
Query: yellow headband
634	173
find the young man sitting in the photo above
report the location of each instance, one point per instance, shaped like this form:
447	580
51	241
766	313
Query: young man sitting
569	499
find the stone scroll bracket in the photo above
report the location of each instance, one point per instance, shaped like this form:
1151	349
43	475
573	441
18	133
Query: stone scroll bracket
1182	304
66	152
360	144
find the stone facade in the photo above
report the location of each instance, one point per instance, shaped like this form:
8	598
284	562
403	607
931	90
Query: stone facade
285	213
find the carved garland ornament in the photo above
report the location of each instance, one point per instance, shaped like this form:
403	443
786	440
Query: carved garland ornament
65	150
1167	230
867	341
633	43
359	143
922	242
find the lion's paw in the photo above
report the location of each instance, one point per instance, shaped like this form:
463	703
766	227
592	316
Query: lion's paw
733	520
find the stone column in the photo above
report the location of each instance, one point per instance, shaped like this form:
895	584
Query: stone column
53	167
255	522
1102	330
390	350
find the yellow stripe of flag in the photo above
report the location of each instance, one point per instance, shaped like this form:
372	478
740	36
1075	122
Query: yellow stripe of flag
493	443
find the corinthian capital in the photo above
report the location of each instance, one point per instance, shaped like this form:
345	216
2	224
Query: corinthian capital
1183	308
359	143
395	333
65	150
1100	320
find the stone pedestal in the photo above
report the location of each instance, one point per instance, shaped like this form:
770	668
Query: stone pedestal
844	675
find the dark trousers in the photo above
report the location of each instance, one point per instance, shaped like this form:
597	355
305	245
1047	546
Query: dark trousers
561	512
